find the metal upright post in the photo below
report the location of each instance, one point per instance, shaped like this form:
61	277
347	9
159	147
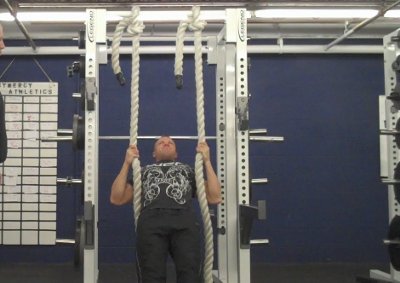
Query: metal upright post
389	151
239	31
230	54
222	164
95	54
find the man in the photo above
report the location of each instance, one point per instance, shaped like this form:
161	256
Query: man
3	134
167	222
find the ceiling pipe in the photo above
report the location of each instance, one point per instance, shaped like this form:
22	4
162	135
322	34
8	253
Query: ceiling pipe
19	24
221	3
361	25
155	4
251	49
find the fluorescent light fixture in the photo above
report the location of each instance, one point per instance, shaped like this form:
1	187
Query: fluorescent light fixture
45	17
315	13
173	16
392	14
71	17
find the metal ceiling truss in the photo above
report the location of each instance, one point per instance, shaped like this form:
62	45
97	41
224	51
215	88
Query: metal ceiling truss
280	30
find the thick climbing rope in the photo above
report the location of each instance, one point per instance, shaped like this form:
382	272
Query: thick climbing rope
135	28
196	25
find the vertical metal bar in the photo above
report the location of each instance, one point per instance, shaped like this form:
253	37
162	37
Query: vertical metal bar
383	139
242	135
231	200
390	53
95	34
232	219
222	164
390	82
236	267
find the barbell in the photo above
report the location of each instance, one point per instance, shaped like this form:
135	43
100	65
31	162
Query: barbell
77	135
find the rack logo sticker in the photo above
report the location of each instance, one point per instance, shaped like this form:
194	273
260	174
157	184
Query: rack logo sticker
91	26
242	25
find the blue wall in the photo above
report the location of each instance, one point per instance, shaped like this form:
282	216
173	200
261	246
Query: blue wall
324	200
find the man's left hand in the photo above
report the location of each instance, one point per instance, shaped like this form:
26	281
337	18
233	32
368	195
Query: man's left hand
202	147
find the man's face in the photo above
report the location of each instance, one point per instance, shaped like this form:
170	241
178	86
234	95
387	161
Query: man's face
2	45
165	149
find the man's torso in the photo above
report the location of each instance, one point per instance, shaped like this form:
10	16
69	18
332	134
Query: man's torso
168	185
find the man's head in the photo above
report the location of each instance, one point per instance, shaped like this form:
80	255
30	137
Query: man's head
165	149
2	45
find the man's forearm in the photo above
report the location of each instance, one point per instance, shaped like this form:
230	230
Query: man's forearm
213	188
119	185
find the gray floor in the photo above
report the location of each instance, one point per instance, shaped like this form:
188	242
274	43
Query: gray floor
125	273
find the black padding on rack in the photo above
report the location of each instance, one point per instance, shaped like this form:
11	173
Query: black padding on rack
3	134
394	249
396	176
78	244
397	137
395	93
396	64
78	132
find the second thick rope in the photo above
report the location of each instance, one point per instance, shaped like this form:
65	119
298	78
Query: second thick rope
135	28
197	26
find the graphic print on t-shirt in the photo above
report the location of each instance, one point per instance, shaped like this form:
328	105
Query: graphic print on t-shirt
173	178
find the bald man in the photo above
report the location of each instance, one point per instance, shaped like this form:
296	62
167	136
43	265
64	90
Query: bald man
167	223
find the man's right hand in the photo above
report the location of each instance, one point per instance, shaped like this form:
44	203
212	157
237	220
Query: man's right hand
131	153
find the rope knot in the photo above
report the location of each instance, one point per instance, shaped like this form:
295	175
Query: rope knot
195	24
135	27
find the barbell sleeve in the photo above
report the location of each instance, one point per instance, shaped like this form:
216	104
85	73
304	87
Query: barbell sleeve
65	241
57	138
266	139
390	181
391	242
389	132
64	132
259	181
259	242
69	181
77	95
258	131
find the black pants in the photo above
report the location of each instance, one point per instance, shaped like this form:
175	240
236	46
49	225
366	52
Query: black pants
168	231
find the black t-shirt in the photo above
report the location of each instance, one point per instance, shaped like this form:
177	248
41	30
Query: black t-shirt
168	184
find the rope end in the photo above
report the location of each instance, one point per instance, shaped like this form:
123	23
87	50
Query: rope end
121	78
179	81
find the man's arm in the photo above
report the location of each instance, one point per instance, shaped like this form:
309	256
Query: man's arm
212	185
122	190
